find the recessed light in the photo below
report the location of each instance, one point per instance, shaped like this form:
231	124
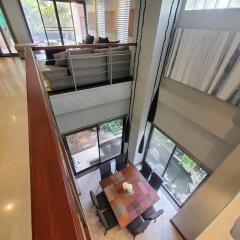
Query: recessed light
14	118
9	207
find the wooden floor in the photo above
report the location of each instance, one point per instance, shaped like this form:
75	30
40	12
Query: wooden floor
15	211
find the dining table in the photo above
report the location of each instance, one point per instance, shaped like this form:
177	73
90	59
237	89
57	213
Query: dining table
126	205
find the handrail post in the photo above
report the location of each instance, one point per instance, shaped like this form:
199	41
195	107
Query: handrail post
71	65
110	63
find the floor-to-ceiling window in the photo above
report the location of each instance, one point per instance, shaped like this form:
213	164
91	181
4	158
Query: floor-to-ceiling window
53	22
181	173
6	39
96	144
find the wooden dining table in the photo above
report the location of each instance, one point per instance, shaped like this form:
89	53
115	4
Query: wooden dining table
128	206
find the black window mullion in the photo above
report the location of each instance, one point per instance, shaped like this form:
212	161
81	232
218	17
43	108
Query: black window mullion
42	21
58	21
100	160
169	160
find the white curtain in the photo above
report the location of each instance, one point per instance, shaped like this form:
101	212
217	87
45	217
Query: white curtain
208	61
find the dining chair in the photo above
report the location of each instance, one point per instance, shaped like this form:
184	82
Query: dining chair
99	201
151	214
137	226
146	170
108	219
120	162
155	181
105	170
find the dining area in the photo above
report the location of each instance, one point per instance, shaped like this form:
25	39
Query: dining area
126	203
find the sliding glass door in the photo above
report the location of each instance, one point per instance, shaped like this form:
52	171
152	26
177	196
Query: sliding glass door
181	174
89	147
53	22
6	40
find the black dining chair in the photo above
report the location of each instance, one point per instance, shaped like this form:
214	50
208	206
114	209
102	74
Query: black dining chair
146	170
155	181
137	226
108	219
151	214
120	162
105	170
99	201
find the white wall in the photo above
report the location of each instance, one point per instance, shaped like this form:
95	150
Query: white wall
86	107
16	20
205	126
156	21
86	117
221	227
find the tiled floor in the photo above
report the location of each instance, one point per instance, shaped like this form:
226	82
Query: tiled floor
161	230
15	213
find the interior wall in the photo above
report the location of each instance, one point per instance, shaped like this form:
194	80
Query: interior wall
16	19
225	226
86	107
79	119
205	126
211	198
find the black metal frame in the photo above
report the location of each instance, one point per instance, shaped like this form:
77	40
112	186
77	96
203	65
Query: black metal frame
209	172
57	18
96	125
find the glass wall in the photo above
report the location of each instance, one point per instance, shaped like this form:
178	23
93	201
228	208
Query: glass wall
96	144
181	174
55	22
6	40
159	151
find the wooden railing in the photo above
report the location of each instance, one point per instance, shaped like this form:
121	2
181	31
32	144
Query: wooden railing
55	205
94	46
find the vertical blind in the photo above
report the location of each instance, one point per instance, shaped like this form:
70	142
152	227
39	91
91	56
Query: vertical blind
123	19
101	18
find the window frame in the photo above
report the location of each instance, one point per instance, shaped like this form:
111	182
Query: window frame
177	145
57	19
10	54
96	125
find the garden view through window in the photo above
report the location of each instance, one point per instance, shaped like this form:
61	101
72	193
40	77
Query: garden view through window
94	145
181	174
55	22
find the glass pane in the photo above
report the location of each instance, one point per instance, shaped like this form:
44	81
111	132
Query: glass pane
79	21
199	4
110	131
210	4
50	22
222	4
108	151
234	4
190	4
110	138
83	147
182	176
5	36
65	17
159	151
32	14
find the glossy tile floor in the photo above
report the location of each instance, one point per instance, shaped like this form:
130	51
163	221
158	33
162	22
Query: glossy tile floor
161	230
15	213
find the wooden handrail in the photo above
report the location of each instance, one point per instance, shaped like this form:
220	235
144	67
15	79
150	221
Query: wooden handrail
93	46
55	214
